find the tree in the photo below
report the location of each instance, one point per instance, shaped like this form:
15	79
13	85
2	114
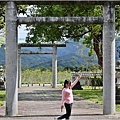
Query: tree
2	17
21	9
55	32
58	32
86	55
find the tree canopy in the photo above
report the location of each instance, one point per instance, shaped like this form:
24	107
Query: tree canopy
91	34
21	9
58	32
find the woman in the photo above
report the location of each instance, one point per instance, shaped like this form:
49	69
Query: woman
67	97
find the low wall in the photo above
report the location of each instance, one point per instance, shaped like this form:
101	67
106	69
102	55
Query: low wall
86	78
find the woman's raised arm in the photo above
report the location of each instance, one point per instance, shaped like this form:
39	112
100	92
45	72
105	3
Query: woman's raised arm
75	82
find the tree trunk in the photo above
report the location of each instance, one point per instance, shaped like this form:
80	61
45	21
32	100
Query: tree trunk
97	42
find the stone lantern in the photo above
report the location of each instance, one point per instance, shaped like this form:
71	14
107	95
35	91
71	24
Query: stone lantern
75	74
2	79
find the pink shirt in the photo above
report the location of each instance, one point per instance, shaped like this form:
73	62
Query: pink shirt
67	95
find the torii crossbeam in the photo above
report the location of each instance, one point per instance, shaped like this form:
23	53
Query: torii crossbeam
73	2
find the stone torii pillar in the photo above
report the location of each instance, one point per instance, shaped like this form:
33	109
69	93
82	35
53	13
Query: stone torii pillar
19	67
54	67
11	59
109	58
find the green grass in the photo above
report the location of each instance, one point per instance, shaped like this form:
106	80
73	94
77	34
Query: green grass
118	108
90	94
2	97
94	95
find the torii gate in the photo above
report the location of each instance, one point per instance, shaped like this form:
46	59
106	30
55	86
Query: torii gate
108	21
54	58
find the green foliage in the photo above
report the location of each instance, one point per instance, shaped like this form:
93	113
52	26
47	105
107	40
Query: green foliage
2	25
53	32
26	67
58	32
82	68
96	81
2	97
117	18
42	68
2	41
36	76
118	108
21	9
64	75
44	74
117	38
30	76
90	94
95	68
60	68
2	16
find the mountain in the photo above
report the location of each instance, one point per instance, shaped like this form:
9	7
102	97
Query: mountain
66	56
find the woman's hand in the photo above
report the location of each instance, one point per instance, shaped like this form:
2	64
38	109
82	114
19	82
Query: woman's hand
80	75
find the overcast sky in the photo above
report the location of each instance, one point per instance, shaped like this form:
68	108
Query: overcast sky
21	31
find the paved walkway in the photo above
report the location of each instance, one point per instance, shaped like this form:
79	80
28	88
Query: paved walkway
43	103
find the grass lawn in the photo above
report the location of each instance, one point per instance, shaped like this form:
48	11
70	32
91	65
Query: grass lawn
92	95
2	97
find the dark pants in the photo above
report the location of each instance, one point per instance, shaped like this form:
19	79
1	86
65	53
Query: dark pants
68	111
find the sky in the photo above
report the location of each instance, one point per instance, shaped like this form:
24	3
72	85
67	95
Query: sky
22	33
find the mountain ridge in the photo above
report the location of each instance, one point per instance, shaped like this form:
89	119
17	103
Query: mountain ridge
66	56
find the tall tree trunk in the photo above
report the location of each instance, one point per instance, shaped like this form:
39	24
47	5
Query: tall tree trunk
97	42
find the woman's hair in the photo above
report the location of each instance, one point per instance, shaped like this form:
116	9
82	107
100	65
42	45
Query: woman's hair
66	82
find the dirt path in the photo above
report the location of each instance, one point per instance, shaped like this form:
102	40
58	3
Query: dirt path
43	103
